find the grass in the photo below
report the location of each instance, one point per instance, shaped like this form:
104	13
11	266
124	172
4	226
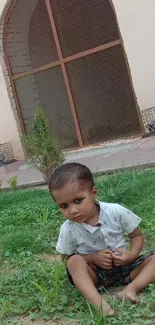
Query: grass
29	227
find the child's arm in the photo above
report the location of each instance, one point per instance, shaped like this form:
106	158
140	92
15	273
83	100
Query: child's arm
136	242
136	245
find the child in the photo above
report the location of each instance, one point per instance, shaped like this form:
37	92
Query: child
92	239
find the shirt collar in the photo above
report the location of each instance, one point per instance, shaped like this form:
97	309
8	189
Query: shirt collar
90	228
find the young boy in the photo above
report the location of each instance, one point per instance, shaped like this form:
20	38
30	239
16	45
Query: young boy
92	239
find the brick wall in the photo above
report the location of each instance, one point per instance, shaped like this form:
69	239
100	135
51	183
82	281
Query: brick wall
17	36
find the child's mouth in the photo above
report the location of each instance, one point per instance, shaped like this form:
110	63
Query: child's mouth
77	218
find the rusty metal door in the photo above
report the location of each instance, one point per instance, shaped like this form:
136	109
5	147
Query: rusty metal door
76	70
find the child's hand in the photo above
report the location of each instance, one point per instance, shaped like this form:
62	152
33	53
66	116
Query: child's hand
104	259
122	257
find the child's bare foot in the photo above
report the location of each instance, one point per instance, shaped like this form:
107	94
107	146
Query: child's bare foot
128	294
107	310
110	312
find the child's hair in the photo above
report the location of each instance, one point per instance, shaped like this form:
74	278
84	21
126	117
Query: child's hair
70	172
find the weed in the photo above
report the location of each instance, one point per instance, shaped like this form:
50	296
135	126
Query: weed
97	318
13	183
42	147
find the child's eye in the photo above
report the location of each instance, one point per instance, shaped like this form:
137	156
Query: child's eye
63	206
78	201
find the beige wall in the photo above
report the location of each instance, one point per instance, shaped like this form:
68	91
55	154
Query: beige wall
2	4
8	126
137	24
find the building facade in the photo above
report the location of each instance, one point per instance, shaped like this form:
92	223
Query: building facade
73	63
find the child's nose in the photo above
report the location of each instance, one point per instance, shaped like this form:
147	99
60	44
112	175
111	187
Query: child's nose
73	210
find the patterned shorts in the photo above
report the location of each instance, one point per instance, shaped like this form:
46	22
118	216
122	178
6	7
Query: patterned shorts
117	275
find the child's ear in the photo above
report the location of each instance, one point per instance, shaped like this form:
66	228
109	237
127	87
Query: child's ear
94	192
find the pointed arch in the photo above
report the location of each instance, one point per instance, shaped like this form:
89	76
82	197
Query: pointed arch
70	60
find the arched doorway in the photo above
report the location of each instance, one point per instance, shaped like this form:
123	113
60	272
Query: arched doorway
67	57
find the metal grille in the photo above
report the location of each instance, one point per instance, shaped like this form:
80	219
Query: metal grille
30	41
41	41
83	24
46	90
104	100
147	115
6	148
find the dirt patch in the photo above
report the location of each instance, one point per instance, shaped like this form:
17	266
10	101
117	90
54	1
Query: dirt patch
27	321
51	258
13	271
7	269
112	291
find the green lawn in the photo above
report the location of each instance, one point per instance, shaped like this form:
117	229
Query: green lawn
29	227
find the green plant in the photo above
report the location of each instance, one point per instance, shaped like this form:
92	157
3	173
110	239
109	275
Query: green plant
42	147
13	183
98	317
0	184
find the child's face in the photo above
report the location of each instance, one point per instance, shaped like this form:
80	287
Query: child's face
76	201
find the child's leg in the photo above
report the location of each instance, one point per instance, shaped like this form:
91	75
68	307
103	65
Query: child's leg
140	277
85	280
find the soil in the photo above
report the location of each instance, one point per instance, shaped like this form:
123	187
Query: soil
27	321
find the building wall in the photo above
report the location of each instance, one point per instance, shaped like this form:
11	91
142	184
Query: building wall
8	126
136	19
137	24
